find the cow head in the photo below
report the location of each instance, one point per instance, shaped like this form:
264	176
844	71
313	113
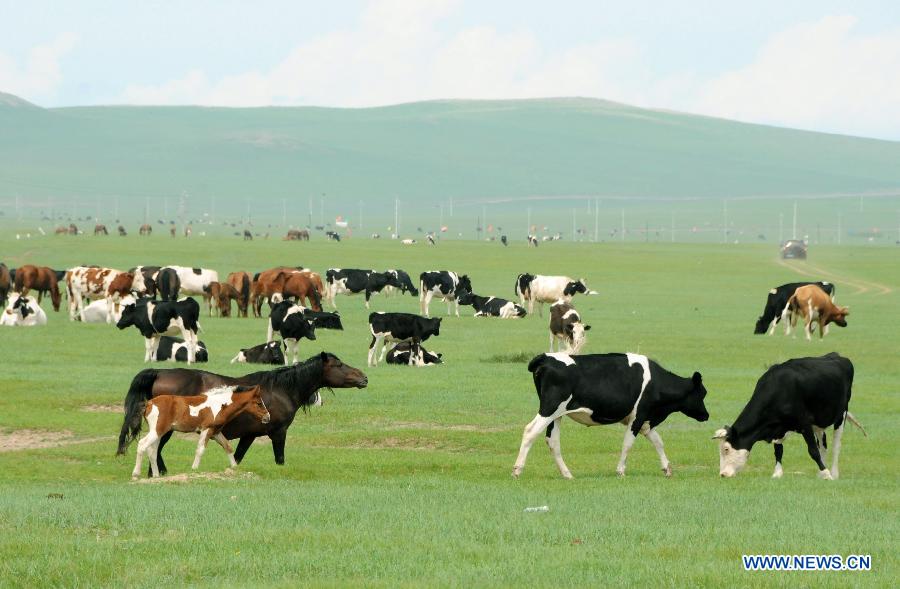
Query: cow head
466	298
762	326
21	306
731	459
465	285
406	284
128	314
575	334
271	354
692	403
840	316
433	326
574	287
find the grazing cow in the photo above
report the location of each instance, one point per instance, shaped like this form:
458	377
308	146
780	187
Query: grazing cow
92	283
491	306
297	235
600	389
533	240
73	229
287	319
566	327
408	241
804	395
447	285
324	319
248	236
412	354
156	319
174	349
548	289
97	311
23	311
100	229
6	283
332	236
814	304
776	308
42	279
122	232
267	353
430	239
146	229
226	294
207	414
398	327
406	284
241	283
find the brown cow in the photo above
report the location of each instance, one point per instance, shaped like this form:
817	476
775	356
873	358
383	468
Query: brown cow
228	293
100	229
4	284
146	229
119	288
814	304
241	283
42	279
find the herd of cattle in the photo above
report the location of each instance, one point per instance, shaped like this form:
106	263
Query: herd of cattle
804	395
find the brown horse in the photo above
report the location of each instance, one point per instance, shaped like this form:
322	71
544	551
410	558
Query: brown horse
5	284
146	229
297	235
206	414
227	293
73	229
100	229
284	390
42	279
241	283
211	296
302	287
122	232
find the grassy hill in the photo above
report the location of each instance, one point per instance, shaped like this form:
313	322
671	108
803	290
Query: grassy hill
422	153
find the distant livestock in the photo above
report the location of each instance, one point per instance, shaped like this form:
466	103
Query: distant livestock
601	389
332	236
100	229
146	229
566	328
444	284
408	241
813	304
776	308
122	232
547	289
297	235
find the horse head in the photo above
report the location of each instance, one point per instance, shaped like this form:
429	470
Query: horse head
336	374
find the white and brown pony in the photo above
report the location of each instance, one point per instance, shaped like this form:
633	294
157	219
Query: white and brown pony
207	414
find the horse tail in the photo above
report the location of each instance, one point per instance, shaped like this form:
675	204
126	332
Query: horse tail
135	401
245	287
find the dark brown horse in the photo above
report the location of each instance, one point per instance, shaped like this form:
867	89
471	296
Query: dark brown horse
285	391
41	279
5	284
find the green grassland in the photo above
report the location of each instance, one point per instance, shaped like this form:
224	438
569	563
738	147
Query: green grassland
407	482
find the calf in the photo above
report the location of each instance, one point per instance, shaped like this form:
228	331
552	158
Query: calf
491	306
226	294
155	319
548	289
566	327
445	284
211	293
814	304
23	311
398	327
805	395
412	354
776	308
267	353
600	389
176	350
287	320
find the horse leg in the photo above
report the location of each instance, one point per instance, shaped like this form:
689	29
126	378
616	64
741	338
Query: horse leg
242	447
201	447
278	439
141	449
160	463
223	441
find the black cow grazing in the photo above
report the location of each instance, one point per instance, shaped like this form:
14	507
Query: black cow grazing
600	389
805	395
324	319
503	240
175	350
491	306
155	319
406	284
447	285
332	236
267	353
168	284
287	319
776	305
412	354
398	327
566	327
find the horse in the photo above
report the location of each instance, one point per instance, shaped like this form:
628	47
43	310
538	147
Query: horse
241	282
302	286
146	229
41	279
5	284
206	414
285	391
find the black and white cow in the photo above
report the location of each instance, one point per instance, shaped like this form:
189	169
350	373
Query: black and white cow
805	395
444	284
398	327
405	281
491	306
600	389
267	353
548	289
412	354
324	319
288	321
23	311
155	319
354	281
533	240
776	308
174	349
566	327
332	236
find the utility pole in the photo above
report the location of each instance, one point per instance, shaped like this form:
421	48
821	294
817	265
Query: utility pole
623	225
397	217
672	232
724	221
284	212
839	229
310	213
574	229
322	210
528	229
780	228
794	232
147	211
597	221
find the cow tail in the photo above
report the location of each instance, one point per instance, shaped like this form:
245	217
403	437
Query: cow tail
516	289
135	401
854	421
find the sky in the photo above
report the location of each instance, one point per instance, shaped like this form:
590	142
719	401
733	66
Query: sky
819	65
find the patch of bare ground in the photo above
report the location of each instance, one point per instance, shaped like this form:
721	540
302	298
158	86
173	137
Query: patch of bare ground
395	443
454	427
190	477
103	409
32	439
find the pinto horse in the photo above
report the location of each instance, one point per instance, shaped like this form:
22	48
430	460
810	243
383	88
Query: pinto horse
207	414
284	390
41	279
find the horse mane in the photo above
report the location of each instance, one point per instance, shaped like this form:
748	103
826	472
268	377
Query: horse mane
300	382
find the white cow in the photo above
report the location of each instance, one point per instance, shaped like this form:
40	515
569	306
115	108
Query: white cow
97	312
23	311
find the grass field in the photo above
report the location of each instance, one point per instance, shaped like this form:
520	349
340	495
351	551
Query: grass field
407	483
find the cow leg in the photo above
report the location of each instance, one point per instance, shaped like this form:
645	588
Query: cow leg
552	337
532	431
223	441
385	350
201	448
540	308
821	328
425	302
657	442
812	445
242	447
188	336
148	349
779	453
278	439
373	349
553	434
627	442
836	448
270	333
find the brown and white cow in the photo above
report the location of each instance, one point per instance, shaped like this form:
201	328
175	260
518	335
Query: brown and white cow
566	327
94	283
814	304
